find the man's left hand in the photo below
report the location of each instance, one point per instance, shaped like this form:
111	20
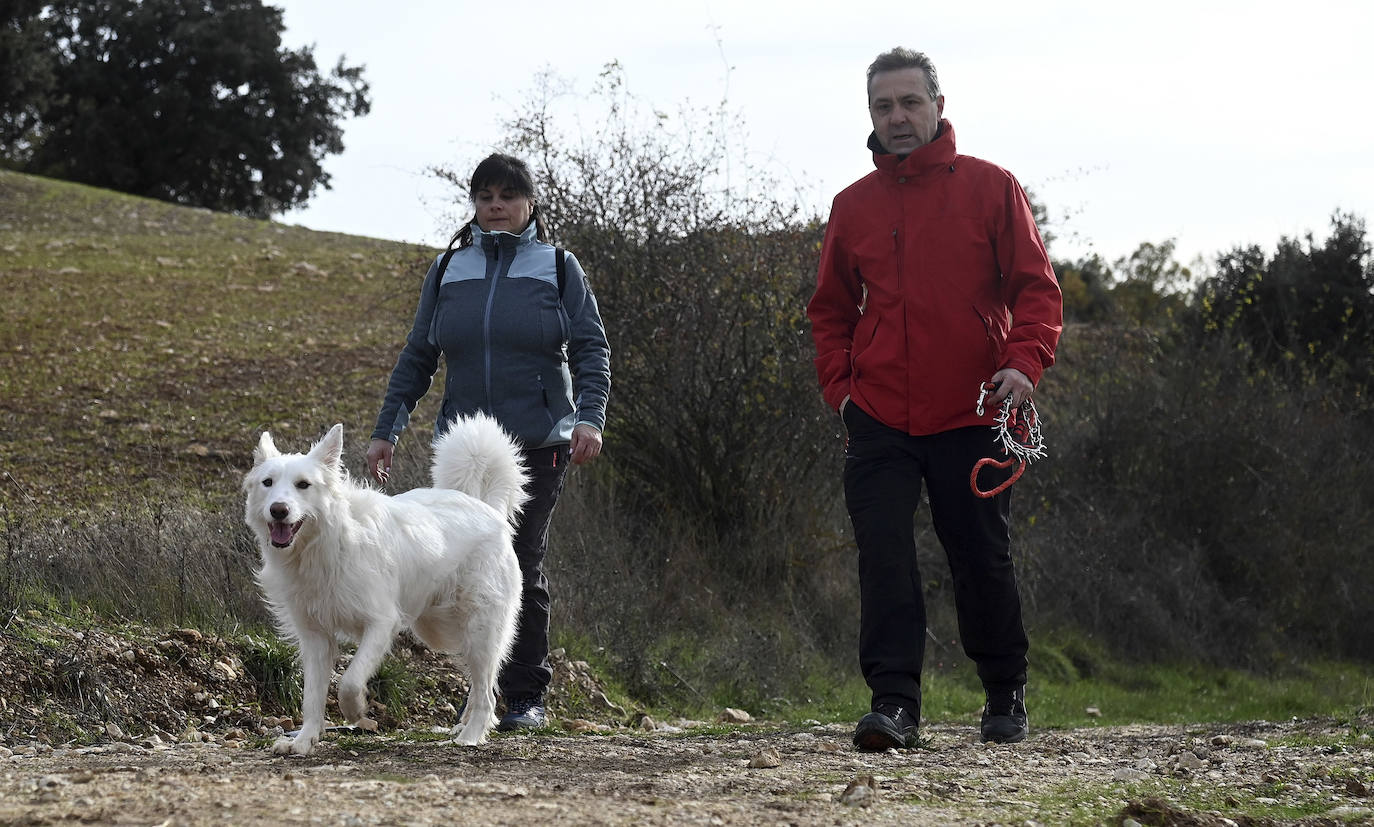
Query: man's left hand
1014	382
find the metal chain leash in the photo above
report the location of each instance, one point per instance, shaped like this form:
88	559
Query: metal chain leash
1017	432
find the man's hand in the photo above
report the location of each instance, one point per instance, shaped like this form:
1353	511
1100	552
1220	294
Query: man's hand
585	444
1014	382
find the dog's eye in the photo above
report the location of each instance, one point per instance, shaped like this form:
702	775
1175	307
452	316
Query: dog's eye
303	484
267	483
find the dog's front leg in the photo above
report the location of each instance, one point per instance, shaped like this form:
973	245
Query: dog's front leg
376	642
318	653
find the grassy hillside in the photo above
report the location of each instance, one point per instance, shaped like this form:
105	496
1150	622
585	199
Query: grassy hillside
143	346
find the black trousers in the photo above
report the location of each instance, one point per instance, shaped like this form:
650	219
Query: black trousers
883	473
527	672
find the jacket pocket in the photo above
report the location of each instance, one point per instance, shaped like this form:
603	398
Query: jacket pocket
995	333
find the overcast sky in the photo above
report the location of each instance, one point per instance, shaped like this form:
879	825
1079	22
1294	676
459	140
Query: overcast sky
1211	123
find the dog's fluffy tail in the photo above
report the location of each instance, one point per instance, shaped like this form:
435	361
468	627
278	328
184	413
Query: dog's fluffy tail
477	456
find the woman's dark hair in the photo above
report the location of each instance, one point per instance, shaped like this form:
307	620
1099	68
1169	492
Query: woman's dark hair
499	171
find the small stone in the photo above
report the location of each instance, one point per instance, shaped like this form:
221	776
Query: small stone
861	792
765	759
1130	774
735	716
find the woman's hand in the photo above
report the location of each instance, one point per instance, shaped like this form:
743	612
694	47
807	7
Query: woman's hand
585	444
379	459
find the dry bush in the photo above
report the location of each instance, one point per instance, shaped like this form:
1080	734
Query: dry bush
1196	507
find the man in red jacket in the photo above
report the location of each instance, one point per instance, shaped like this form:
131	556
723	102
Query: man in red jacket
933	279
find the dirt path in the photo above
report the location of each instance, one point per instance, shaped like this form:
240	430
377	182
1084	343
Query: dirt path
1302	772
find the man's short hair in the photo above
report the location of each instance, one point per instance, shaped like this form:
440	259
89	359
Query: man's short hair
902	58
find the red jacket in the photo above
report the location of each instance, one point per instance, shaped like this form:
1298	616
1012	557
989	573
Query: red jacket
932	278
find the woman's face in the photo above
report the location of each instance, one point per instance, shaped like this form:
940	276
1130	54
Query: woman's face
501	208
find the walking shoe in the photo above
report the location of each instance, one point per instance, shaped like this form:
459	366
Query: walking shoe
524	713
1004	716
887	727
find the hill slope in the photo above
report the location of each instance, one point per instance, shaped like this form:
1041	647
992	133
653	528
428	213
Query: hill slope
143	345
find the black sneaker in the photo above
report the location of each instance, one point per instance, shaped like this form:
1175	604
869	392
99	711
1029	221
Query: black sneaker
524	713
1004	716
887	727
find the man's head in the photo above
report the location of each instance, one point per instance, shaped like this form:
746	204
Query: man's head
904	100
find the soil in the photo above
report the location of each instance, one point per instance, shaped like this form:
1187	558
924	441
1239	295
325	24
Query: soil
146	728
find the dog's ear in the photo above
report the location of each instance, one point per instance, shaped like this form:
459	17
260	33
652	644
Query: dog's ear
329	450
266	449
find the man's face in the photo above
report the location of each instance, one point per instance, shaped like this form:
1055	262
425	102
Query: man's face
904	116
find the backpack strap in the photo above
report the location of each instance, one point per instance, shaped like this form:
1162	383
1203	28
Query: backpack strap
560	265
443	265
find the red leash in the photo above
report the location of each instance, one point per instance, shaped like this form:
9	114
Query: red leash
1018	432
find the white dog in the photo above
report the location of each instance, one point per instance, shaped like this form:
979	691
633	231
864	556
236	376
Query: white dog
341	561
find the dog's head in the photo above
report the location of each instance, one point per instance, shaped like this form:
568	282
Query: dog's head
285	493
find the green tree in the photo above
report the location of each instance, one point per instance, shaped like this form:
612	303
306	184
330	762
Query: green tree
1152	283
1309	306
1087	287
190	101
26	74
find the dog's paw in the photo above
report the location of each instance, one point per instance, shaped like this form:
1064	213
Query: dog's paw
300	745
466	735
352	703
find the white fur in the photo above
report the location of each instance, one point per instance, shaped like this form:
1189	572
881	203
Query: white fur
341	561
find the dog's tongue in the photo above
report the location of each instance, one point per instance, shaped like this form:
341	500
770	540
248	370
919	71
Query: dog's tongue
281	533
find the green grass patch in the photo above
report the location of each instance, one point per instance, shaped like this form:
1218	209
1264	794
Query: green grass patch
1101	691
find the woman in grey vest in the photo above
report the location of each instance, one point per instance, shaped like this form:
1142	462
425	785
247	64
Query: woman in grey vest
522	340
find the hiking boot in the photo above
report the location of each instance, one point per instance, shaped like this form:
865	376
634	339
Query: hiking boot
887	727
524	713
1004	716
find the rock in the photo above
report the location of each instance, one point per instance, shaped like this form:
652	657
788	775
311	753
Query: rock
765	759
1129	774
1188	762
861	792
734	716
599	698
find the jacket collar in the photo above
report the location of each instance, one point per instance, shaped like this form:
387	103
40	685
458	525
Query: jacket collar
489	241
938	153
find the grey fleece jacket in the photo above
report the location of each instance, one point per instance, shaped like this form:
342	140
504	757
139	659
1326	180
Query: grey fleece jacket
537	364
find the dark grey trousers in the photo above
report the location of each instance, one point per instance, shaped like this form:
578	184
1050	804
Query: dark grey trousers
527	672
